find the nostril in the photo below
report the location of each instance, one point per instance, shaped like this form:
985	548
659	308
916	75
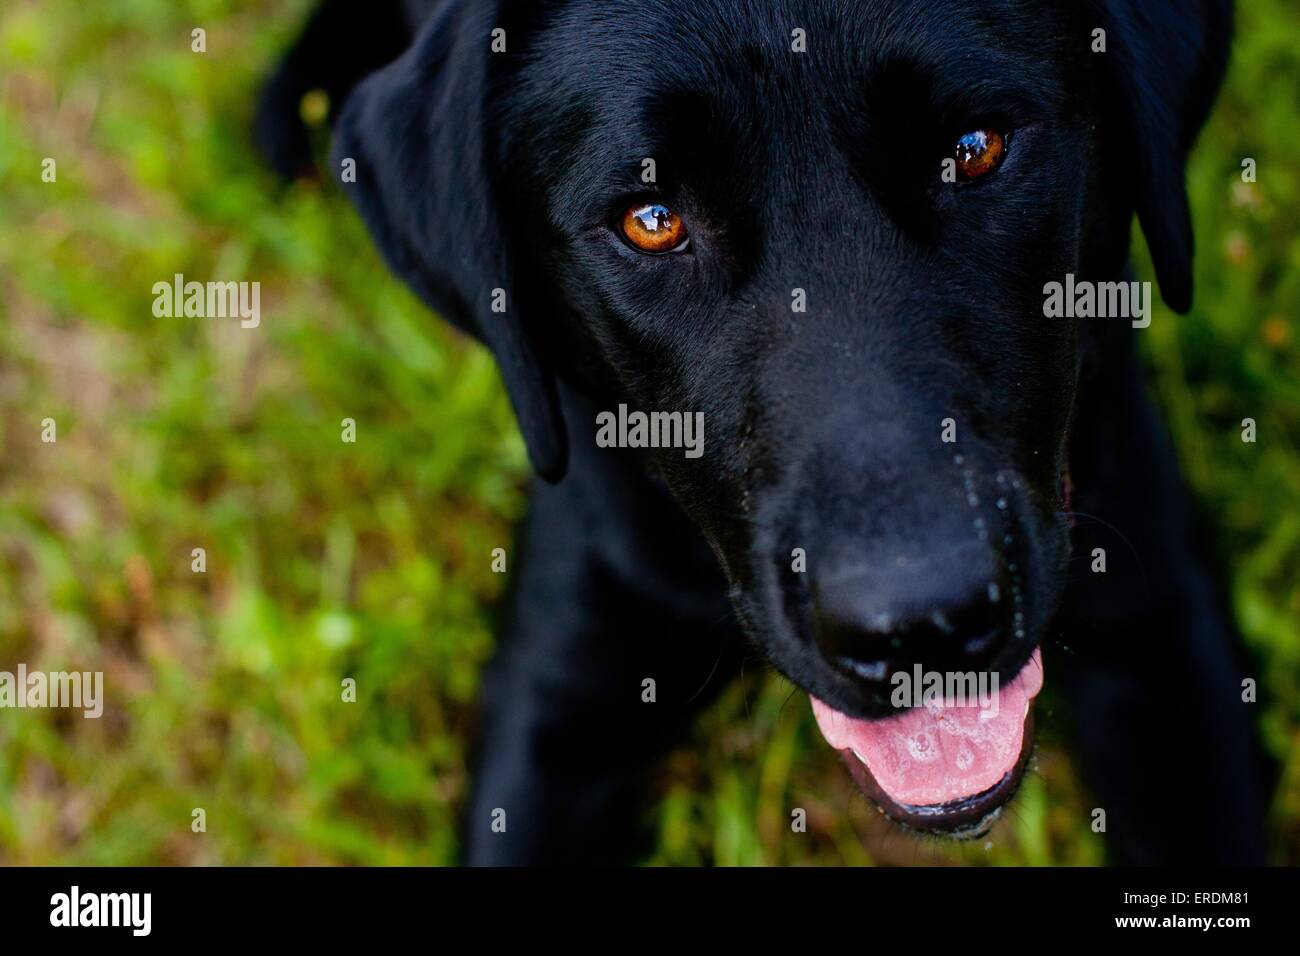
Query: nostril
867	670
852	636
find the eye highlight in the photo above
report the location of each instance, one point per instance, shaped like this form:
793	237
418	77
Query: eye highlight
653	228
978	153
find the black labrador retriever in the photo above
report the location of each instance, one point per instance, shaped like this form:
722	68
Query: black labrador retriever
823	234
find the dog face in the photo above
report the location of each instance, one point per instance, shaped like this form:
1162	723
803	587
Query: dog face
828	229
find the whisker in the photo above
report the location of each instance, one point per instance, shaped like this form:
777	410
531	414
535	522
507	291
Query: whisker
1146	581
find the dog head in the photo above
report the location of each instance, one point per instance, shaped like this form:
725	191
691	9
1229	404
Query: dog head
827	228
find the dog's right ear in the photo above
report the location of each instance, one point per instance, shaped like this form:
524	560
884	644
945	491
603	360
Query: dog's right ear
1166	60
424	184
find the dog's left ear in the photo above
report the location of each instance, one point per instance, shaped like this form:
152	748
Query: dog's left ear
1168	58
414	136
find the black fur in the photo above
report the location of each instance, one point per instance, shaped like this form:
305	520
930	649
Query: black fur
336	50
481	171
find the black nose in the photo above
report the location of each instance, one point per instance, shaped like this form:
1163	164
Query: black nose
946	615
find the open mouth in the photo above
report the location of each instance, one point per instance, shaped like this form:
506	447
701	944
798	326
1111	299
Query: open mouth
945	767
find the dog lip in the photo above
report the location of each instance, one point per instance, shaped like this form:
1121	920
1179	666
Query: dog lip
966	819
862	691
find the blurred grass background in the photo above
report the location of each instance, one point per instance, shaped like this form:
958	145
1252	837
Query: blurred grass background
371	560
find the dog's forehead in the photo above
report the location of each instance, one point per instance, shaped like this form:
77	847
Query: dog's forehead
613	48
626	66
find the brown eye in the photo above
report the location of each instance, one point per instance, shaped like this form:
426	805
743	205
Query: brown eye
979	152
654	228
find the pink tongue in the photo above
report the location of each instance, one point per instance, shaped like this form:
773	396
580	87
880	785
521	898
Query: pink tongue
940	753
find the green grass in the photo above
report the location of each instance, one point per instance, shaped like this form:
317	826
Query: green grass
370	560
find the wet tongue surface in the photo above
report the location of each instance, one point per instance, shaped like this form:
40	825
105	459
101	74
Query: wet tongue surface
939	753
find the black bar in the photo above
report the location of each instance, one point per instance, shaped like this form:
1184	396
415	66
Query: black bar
333	906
